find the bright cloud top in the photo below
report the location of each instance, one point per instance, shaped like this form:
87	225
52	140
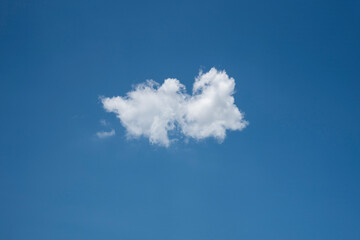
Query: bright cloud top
153	110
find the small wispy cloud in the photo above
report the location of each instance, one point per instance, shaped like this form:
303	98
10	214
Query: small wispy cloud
153	110
104	134
103	122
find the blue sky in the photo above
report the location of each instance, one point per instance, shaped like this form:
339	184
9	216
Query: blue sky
292	173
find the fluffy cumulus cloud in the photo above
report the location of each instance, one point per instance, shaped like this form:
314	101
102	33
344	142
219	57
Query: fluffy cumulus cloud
153	110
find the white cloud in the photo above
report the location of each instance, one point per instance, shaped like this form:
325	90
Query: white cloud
152	110
104	134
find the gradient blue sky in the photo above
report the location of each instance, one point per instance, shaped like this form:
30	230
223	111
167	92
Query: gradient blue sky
293	173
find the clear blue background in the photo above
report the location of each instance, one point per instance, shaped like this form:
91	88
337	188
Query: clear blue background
293	173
